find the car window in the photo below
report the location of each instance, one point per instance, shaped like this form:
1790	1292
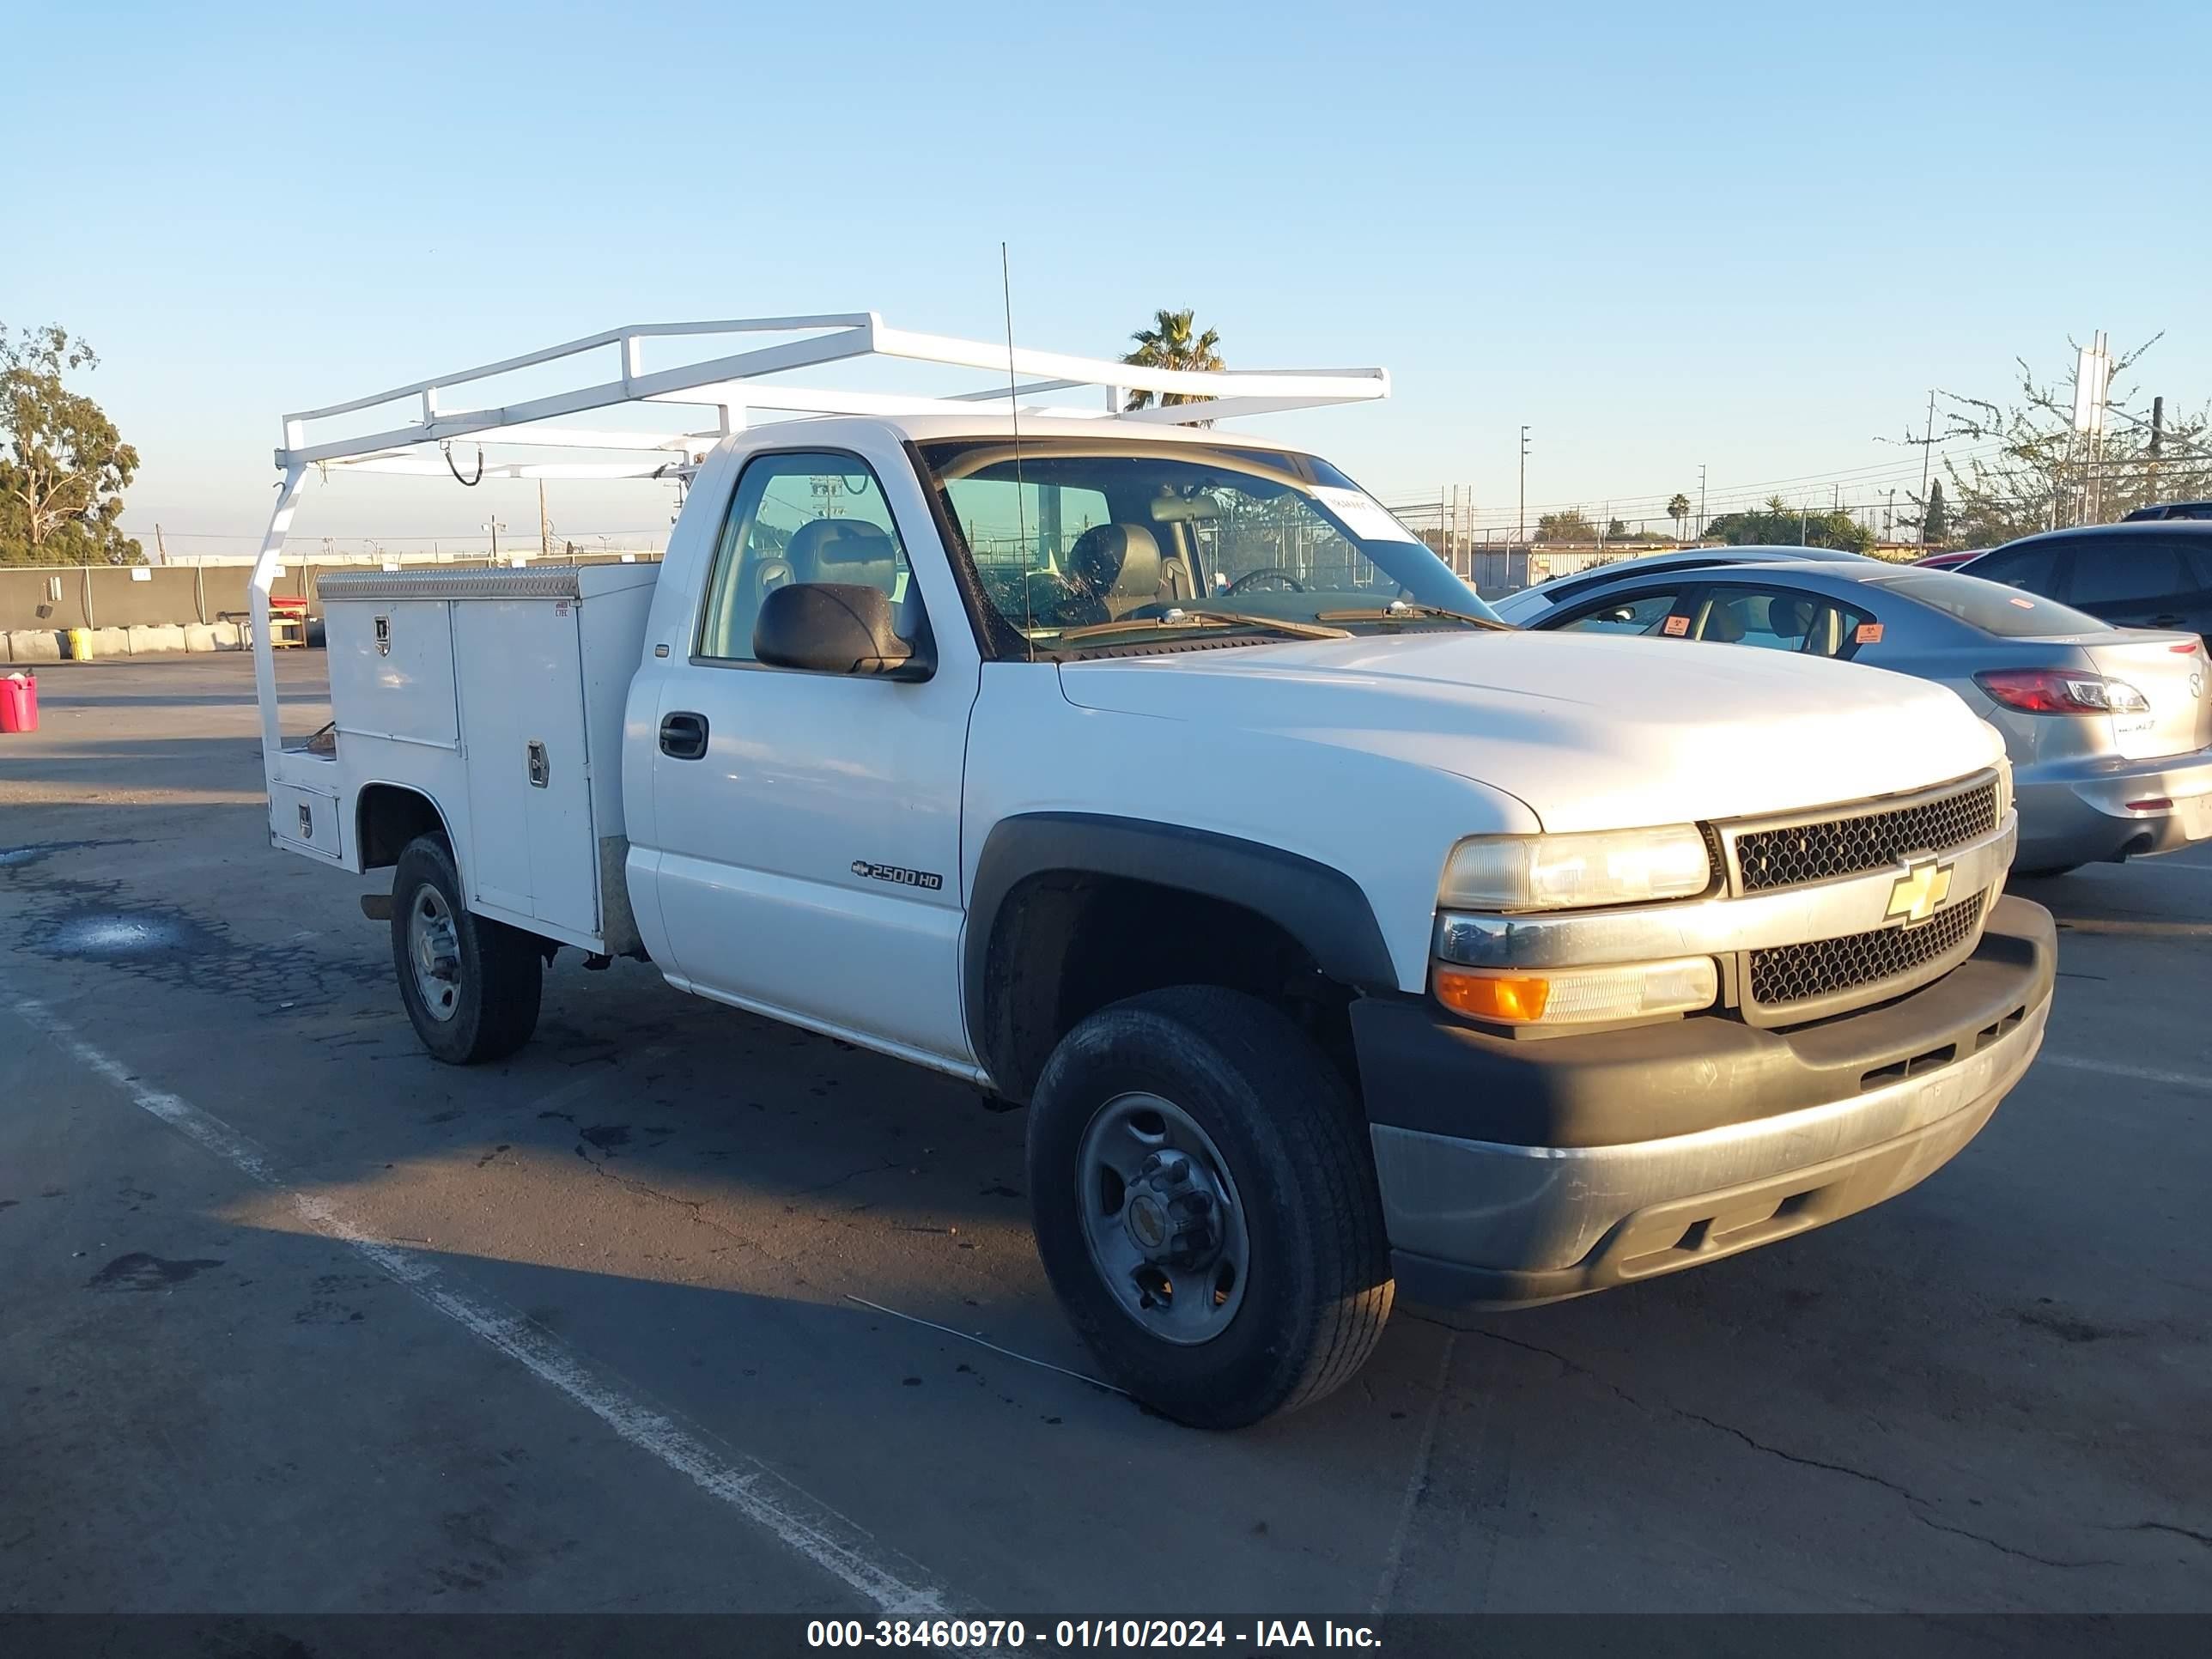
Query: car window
1011	526
2118	569
808	517
2033	568
1641	613
1989	607
1779	619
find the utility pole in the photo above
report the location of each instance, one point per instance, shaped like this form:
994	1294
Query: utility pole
1521	534
162	547
1927	454
544	524
2157	443
1700	536
494	527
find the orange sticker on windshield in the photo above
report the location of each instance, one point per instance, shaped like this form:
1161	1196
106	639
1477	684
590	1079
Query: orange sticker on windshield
2025	604
1676	625
1869	634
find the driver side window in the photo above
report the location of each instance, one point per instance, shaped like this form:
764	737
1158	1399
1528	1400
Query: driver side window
1644	613
817	516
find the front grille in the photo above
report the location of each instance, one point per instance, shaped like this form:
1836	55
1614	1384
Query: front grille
1786	974
1865	841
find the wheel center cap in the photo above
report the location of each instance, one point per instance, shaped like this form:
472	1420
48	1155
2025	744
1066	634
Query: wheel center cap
1147	1222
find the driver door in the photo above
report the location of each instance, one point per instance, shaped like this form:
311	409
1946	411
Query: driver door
809	823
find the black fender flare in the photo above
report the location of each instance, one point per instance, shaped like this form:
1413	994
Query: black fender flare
1319	906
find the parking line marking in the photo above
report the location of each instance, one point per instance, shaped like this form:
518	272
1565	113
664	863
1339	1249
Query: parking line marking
1417	1487
2142	1073
801	1522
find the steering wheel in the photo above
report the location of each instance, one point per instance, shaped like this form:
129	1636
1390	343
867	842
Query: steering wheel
1272	573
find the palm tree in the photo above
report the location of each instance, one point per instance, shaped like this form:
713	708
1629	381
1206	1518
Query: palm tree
1170	344
1677	508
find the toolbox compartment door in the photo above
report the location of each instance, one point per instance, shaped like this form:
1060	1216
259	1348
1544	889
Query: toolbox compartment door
533	851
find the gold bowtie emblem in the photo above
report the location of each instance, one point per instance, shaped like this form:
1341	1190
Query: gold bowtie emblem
1915	894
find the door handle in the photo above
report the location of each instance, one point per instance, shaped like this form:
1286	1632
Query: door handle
684	736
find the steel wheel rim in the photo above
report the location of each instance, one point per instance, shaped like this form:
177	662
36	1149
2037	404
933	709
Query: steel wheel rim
433	950
1162	1219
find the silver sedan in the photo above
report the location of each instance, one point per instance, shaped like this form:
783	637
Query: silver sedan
2109	729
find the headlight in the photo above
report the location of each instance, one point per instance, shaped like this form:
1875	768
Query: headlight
1581	996
1554	873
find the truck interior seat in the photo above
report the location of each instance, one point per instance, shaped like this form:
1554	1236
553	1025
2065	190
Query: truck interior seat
1120	565
845	550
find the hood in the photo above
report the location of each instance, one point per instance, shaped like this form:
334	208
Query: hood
1591	732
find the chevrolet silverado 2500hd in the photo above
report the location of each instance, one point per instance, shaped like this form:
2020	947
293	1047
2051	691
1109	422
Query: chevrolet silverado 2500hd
1339	939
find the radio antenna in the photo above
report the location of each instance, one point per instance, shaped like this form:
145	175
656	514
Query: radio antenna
1014	415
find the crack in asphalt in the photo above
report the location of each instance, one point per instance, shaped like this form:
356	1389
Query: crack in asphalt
695	1208
2190	1533
1914	1503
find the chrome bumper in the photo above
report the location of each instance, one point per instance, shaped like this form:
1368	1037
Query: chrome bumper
1802	1128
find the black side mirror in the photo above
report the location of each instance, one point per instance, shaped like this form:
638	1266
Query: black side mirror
839	628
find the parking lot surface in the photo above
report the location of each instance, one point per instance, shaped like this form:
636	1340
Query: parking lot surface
683	1310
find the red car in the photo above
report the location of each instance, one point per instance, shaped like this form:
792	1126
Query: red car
1949	560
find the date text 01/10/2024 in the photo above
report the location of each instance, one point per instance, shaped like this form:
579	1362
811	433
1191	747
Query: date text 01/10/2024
1014	1633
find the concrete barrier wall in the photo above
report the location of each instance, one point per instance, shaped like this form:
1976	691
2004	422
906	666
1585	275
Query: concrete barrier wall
55	598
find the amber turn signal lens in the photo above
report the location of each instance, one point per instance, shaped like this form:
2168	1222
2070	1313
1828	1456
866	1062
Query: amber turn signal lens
1519	999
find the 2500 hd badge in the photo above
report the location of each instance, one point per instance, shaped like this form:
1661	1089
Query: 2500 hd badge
928	880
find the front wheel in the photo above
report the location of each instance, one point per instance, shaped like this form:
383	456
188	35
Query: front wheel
470	985
1205	1202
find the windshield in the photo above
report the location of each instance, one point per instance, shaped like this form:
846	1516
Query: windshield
1991	606
1077	534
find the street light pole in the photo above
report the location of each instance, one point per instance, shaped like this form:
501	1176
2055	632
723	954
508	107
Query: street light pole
1701	501
1520	535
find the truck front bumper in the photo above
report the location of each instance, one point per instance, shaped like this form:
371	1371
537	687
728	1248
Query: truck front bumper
1517	1172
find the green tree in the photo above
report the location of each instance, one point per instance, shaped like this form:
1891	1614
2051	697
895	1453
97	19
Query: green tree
1678	509
1780	525
1571	526
1935	522
64	466
1172	342
2027	468
1615	528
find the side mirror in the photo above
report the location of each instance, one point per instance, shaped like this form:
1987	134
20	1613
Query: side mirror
838	628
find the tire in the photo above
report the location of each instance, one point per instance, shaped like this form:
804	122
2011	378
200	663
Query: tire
1306	1303
2052	873
488	1008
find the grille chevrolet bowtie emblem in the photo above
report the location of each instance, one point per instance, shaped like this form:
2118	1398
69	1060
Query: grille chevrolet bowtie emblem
1915	895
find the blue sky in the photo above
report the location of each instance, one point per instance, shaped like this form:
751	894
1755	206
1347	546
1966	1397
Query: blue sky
1746	236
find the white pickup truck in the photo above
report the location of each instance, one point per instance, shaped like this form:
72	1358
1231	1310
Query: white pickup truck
1338	938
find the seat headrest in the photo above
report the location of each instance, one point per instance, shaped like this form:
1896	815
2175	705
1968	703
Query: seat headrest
818	547
1121	560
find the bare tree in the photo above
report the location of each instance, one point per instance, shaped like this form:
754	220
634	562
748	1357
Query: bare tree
2029	470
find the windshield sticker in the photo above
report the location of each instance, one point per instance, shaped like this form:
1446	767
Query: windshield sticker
1869	634
1365	516
1677	626
2025	604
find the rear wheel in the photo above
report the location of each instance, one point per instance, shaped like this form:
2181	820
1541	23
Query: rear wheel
1205	1202
470	985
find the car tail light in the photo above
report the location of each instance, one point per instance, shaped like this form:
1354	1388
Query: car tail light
2058	692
